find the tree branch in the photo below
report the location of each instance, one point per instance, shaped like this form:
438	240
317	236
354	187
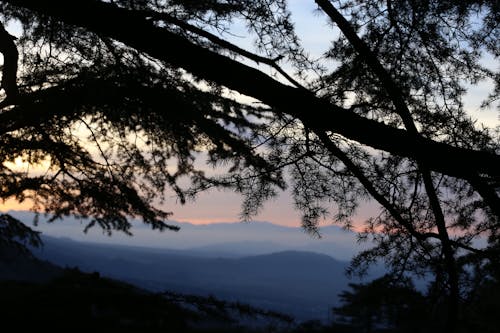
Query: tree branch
9	71
397	97
371	60
222	43
368	185
162	44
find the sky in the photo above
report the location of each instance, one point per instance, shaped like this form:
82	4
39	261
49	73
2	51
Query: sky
224	206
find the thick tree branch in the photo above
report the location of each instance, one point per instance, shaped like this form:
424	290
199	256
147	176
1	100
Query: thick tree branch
222	43
162	44
9	71
488	193
369	57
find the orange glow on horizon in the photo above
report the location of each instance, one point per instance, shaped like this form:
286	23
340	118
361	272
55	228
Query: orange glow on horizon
13	204
203	215
212	220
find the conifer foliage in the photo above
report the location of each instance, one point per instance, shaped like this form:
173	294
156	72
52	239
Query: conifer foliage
113	103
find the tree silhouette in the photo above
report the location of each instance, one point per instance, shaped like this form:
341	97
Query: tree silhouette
117	111
394	306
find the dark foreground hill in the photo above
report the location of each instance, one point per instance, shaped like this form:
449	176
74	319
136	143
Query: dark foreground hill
304	285
18	265
76	301
39	296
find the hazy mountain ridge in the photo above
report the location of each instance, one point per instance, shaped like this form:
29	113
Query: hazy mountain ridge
271	266
303	284
221	239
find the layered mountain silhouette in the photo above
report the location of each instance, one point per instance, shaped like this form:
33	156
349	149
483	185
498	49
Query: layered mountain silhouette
302	284
265	265
222	239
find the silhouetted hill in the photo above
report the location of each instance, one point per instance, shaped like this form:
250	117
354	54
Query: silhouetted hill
302	284
78	302
21	266
39	296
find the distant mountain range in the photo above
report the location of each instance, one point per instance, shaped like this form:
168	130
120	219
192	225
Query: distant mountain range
217	239
265	265
303	284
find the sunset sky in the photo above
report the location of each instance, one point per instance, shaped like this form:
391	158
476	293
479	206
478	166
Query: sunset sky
224	206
